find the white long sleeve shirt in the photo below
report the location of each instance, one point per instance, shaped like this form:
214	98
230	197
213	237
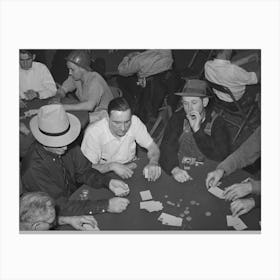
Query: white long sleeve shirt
37	78
223	72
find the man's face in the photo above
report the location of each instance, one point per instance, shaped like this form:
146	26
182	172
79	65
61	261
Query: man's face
25	61
192	104
74	71
119	122
58	151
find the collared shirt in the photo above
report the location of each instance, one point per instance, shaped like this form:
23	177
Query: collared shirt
37	78
223	72
93	88
101	146
60	176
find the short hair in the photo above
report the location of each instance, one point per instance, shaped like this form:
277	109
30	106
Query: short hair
29	52
118	104
226	52
33	205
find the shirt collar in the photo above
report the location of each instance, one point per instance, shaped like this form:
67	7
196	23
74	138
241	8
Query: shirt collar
221	61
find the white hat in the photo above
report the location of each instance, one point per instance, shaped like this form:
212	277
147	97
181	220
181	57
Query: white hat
53	127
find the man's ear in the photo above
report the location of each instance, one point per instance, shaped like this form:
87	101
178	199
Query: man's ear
33	57
205	101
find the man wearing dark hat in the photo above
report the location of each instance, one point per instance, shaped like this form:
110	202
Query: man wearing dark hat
193	132
91	89
50	168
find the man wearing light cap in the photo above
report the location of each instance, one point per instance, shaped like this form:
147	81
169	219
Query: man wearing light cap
90	88
50	168
193	132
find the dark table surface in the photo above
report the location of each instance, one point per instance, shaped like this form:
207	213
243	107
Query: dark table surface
135	218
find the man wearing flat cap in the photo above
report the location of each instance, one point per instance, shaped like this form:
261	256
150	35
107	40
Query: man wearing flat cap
90	88
193	132
51	168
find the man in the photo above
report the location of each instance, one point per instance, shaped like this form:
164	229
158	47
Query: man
245	155
35	80
221	71
90	88
193	132
111	142
37	212
50	168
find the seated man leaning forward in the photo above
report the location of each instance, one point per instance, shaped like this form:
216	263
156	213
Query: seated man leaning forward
37	213
90	88
35	79
246	195
51	167
111	142
193	132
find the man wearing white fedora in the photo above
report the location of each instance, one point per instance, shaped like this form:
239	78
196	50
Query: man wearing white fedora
50	168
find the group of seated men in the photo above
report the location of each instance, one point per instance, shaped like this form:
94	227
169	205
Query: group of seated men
55	165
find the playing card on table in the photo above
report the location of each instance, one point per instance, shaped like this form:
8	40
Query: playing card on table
146	195
217	192
235	222
167	219
151	205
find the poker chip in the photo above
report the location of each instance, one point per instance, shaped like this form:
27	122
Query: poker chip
208	213
193	202
189	218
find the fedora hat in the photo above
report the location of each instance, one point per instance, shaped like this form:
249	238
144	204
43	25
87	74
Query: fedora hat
53	127
194	88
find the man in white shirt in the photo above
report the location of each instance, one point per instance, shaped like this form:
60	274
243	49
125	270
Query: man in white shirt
35	79
221	71
111	142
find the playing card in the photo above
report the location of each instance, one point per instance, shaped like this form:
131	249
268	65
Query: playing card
146	195
230	221
239	224
151	205
235	222
217	192
170	220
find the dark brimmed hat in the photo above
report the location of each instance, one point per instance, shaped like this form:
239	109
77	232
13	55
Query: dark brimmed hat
194	88
81	58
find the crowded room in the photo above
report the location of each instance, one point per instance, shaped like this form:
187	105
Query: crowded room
139	140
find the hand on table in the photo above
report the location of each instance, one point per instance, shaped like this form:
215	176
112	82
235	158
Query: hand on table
122	170
242	206
119	188
31	94
213	178
180	175
152	171
237	191
83	222
117	204
131	165
195	119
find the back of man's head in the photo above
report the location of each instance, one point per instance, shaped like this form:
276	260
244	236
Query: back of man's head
37	211
118	104
223	54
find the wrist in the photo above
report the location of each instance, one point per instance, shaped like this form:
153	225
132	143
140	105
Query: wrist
175	170
63	220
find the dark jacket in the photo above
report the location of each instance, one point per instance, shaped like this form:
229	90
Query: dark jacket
60	176
214	146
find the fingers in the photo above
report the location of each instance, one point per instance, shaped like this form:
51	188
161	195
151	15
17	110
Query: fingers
152	172
211	180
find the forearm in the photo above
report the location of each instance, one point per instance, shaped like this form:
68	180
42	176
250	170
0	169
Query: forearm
104	168
153	154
